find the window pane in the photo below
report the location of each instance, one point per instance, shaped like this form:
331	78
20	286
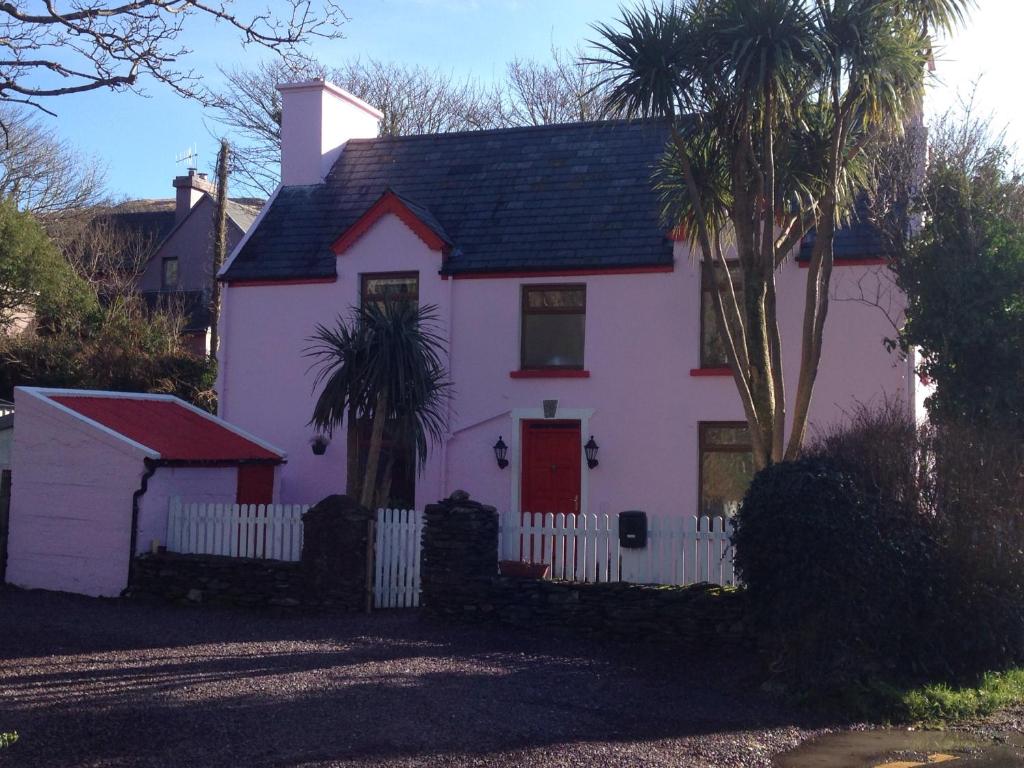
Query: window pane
712	352
553	341
390	287
726	435
725	476
555	299
712	344
170	275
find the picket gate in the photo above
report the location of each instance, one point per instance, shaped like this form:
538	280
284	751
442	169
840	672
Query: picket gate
585	547
264	531
396	566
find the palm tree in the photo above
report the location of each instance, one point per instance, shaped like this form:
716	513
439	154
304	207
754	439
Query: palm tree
383	366
775	106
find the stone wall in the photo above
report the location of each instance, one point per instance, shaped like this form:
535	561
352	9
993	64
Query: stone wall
701	616
332	574
460	581
216	580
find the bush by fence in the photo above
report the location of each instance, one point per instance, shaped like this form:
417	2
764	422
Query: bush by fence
903	554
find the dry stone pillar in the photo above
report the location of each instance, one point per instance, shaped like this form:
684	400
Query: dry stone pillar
459	560
335	552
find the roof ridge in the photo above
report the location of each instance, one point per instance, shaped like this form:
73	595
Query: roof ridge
515	128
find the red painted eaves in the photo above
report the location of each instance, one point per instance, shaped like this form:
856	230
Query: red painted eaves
389	202
639	270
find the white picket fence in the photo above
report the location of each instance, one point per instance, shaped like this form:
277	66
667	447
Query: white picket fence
396	576
585	547
266	531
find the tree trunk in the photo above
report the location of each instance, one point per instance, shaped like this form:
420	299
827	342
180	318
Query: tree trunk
353	488
373	452
220	243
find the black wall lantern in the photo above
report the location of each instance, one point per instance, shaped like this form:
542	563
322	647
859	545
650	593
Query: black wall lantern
319	445
501	453
591	449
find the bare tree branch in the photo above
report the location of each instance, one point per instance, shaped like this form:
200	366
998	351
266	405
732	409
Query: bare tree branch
42	173
75	46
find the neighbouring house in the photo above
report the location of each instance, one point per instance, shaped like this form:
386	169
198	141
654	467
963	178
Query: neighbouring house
180	270
94	473
581	340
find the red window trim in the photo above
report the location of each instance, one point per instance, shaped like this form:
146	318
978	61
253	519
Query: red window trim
389	202
878	261
294	281
549	373
721	371
560	273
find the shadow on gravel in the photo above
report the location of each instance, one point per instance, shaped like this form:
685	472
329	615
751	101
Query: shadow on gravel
107	682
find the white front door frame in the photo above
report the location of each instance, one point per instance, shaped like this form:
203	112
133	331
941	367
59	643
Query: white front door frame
519	415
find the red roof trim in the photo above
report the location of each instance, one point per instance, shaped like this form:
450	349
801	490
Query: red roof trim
549	373
389	202
293	281
657	269
878	261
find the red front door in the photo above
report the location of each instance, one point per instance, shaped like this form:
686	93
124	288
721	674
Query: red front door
551	466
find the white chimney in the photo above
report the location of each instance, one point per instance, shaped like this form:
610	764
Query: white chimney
317	118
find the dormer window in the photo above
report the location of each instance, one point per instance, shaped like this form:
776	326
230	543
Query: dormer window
169	274
553	323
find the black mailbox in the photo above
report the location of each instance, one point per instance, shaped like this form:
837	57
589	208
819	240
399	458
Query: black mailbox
633	529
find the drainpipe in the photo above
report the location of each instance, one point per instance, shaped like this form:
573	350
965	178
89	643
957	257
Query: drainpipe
151	467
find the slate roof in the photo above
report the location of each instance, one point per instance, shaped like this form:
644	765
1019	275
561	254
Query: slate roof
569	196
857	239
548	197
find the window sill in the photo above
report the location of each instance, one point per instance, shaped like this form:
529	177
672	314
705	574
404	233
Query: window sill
549	373
725	371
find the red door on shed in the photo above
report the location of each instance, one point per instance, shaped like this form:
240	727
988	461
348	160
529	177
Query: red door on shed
551	466
255	484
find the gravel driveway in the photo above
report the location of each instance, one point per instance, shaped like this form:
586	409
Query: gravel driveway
110	683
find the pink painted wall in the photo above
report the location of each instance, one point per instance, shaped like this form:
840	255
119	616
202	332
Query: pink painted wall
198	485
71	503
192	245
641	403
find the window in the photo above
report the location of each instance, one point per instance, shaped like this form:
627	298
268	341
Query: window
169	275
552	330
390	286
726	467
712	345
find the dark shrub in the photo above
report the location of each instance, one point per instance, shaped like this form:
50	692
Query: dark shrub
974	492
887	552
831	579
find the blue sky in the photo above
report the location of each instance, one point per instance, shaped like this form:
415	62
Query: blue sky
138	137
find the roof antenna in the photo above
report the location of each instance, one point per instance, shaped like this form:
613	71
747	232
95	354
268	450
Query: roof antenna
189	156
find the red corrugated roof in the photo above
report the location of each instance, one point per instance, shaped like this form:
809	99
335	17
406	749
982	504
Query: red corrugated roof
167	427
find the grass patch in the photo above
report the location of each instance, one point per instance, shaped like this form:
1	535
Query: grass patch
931	703
939	702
